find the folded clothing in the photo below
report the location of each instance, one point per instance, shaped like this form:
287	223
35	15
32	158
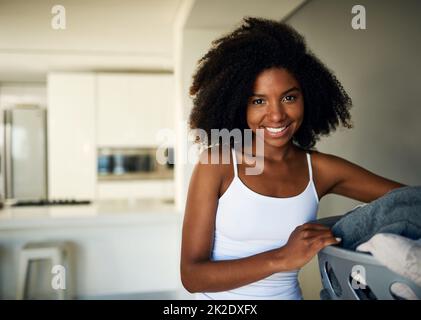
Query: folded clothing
399	254
396	212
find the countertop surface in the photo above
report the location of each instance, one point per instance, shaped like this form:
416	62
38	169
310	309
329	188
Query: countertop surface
97	213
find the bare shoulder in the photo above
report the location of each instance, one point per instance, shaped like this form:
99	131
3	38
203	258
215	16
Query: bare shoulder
215	158
327	160
340	176
204	186
213	163
332	165
328	170
207	164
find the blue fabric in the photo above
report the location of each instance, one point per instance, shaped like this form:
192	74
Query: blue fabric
398	212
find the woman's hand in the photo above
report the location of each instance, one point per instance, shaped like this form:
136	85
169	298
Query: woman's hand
304	243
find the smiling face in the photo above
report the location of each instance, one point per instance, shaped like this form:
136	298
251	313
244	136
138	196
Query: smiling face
277	106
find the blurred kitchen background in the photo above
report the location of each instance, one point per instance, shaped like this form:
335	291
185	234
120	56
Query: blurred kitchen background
81	108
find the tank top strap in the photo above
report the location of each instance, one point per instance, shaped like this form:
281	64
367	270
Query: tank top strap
310	171
234	161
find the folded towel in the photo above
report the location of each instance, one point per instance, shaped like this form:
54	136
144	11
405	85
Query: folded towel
397	212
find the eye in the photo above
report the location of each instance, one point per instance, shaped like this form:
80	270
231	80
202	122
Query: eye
289	99
257	101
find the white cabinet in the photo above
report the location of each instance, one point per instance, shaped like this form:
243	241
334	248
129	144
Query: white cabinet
132	108
87	111
71	135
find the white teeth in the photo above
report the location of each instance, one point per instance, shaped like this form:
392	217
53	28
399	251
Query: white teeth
275	130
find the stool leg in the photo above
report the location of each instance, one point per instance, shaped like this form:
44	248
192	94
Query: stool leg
22	273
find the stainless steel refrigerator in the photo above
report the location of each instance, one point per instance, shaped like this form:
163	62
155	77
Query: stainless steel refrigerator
24	153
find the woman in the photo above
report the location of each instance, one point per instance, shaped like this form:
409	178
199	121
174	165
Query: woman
246	236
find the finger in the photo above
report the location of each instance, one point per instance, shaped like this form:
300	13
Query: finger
316	226
332	241
324	241
311	233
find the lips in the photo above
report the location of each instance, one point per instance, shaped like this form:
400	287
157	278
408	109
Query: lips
277	131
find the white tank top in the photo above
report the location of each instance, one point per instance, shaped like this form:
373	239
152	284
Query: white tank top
248	223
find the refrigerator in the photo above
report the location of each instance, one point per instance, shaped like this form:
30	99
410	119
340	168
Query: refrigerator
24	153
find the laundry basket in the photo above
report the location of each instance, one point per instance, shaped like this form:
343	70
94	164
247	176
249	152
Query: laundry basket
353	275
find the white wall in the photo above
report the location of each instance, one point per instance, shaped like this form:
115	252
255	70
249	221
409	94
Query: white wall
381	70
12	94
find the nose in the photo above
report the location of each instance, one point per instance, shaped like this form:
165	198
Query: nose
276	112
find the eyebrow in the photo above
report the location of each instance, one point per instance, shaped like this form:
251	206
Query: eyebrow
284	93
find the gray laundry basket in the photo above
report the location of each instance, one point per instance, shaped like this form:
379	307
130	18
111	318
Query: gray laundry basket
340	270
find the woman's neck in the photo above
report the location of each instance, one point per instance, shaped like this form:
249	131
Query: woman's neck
273	153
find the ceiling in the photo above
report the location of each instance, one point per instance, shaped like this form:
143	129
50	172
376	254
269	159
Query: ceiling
99	35
109	35
224	14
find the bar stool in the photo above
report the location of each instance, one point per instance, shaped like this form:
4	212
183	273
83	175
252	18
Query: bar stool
57	253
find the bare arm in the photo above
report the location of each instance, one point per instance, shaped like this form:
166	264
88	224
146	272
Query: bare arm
353	181
200	274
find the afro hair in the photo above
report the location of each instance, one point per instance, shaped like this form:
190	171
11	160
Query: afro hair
225	75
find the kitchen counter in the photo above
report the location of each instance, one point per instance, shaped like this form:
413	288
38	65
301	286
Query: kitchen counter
102	213
118	247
